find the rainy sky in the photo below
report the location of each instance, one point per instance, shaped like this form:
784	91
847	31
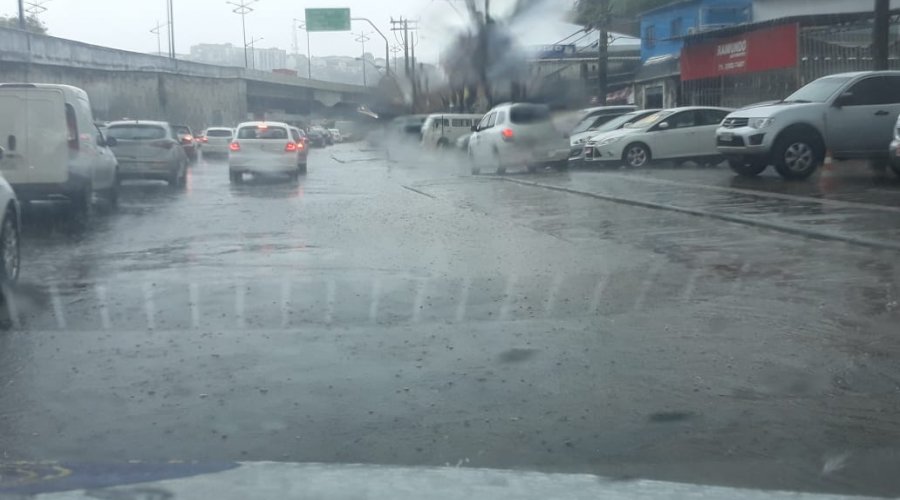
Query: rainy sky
126	24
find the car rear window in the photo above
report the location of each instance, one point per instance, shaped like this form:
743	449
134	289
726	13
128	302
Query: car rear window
254	132
529	114
218	133
137	132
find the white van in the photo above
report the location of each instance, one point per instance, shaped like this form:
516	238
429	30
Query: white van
442	131
53	149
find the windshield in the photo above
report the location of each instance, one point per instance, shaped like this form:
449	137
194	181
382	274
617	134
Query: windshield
819	91
383	254
649	121
136	132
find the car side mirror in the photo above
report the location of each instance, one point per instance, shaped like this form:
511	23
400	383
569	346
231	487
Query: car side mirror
843	99
474	128
663	126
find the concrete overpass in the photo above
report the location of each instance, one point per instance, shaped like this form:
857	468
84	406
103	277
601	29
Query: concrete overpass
130	84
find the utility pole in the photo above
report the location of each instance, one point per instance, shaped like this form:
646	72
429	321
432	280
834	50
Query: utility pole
243	8
252	44
170	8
362	39
22	25
881	35
603	53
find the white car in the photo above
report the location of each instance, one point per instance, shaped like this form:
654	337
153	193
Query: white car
215	141
149	150
265	148
517	135
443	130
679	134
9	233
577	141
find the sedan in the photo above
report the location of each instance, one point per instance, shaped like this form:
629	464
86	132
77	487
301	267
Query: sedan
148	150
578	141
263	148
679	134
215	141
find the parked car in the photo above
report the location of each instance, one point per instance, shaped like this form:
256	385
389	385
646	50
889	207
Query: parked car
149	150
578	141
53	148
10	261
441	131
851	114
679	134
262	148
895	149
187	140
592	118
215	141
514	135
335	135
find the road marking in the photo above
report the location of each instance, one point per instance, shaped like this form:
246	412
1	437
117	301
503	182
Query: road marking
375	302
550	302
285	304
648	283
598	293
463	299
57	307
419	302
506	308
149	306
104	307
194	292
423	193
239	305
330	291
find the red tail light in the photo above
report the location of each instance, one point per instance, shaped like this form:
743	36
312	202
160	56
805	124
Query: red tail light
291	147
204	139
234	146
301	145
507	134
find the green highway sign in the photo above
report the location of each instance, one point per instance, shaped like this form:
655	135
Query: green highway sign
327	19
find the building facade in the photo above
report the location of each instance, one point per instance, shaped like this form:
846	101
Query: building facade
769	10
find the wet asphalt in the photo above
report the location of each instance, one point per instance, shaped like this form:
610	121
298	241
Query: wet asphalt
405	312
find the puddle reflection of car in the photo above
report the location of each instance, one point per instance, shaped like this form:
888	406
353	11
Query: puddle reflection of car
266	148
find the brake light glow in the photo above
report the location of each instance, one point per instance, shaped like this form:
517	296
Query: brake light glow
291	147
507	134
234	146
204	139
188	137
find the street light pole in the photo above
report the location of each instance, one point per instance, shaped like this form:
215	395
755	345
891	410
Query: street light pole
22	15
301	25
243	9
172	28
362	39
157	30
387	45
252	44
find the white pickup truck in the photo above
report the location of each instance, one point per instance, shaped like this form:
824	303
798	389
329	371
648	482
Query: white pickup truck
850	114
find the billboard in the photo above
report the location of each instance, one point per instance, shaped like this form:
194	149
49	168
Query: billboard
761	50
327	20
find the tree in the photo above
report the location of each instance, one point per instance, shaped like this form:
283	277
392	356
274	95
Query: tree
32	24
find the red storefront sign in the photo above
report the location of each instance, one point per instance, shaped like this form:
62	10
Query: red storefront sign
761	50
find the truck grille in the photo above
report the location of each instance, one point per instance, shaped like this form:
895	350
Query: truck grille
735	122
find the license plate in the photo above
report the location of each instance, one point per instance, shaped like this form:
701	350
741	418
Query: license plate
726	136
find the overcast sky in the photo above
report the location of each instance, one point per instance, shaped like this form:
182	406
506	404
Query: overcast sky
126	24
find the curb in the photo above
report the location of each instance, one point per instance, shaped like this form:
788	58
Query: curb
784	228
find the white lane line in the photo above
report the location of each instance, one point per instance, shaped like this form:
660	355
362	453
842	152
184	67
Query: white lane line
194	291
331	292
648	283
239	304
375	300
286	289
550	302
11	308
58	312
419	302
463	299
149	306
508	295
598	293
103	302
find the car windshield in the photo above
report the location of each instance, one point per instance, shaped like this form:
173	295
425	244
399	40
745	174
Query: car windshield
820	90
693	293
649	121
136	132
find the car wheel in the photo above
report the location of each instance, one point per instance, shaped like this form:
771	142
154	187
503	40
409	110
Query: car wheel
9	249
236	177
636	155
748	167
82	207
797	156
112	194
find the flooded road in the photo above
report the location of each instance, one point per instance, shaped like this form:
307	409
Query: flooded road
676	324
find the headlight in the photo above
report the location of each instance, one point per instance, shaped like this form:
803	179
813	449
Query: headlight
760	122
578	142
608	141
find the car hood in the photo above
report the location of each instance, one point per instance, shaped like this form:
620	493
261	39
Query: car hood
617	133
264	480
581	137
767	110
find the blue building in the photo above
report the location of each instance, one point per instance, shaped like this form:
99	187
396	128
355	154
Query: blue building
662	28
657	82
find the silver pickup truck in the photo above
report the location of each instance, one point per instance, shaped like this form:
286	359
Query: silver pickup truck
850	114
